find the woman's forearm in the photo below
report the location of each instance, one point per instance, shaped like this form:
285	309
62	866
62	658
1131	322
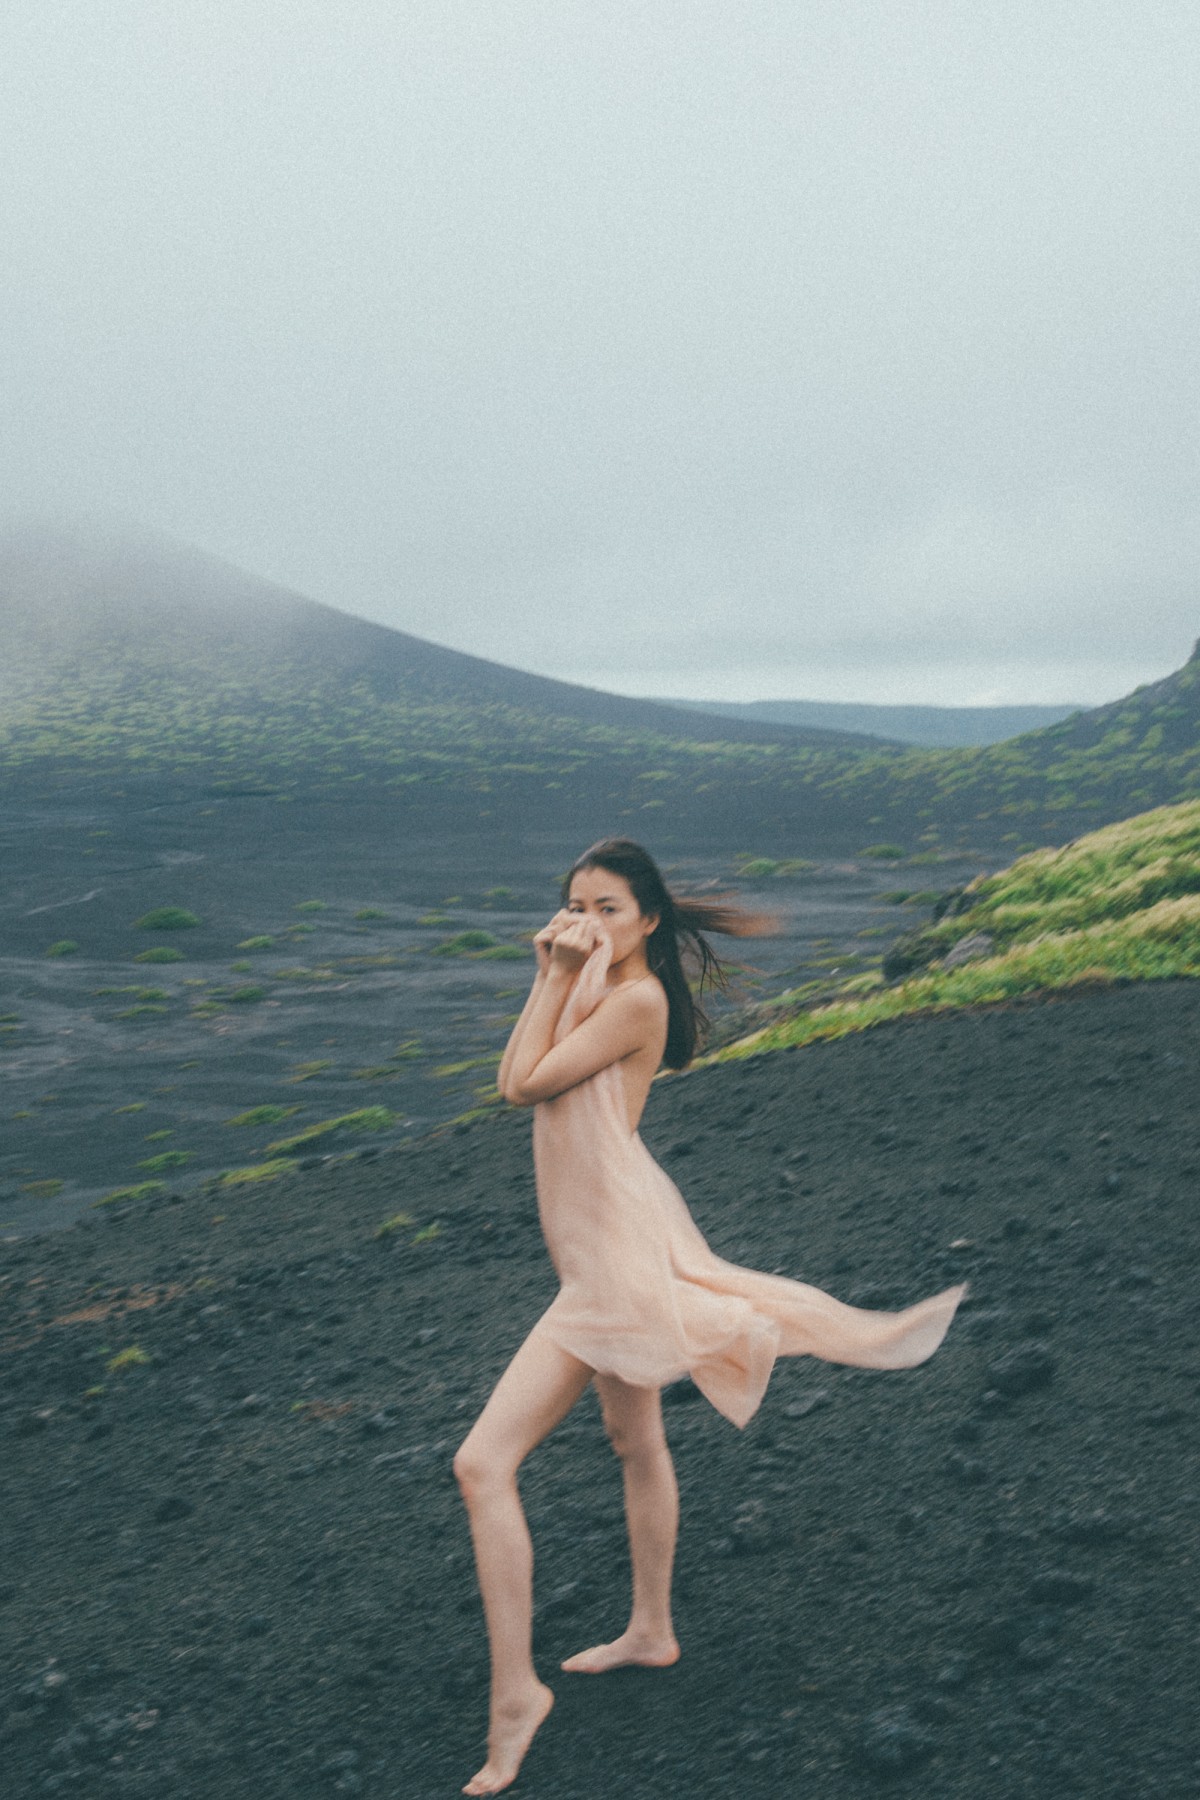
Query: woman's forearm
506	1060
534	1035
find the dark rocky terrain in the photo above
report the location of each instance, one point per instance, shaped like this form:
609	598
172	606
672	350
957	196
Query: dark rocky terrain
236	1563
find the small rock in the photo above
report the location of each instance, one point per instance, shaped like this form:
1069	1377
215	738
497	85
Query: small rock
969	949
171	1508
1060	1587
681	1393
894	1740
800	1409
1022	1370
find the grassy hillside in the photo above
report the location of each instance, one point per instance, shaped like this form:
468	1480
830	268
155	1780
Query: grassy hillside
1122	904
170	670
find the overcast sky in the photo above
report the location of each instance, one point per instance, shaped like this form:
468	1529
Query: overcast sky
838	349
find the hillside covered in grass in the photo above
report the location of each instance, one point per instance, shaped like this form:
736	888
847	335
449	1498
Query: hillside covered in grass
126	669
1121	904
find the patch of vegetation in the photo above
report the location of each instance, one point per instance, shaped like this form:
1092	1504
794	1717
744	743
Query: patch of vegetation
1121	904
42	1190
367	1118
306	1070
142	1010
472	1062
141	1190
467	943
263	1115
884	852
311	906
166	1159
133	1106
398	1222
256	943
132	1357
167	918
366	913
63	947
253	1173
245	996
497	896
161	953
302	974
501	953
427	1234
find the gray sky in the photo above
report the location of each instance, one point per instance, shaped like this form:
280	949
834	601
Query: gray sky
842	349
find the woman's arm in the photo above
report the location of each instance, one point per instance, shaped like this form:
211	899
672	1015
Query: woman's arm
542	945
506	1061
628	1020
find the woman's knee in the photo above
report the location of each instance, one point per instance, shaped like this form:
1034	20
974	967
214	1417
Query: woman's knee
475	1468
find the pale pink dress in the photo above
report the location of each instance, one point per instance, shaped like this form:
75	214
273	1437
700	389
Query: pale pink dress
643	1297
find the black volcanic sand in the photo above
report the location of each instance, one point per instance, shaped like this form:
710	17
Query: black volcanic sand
242	1568
108	1064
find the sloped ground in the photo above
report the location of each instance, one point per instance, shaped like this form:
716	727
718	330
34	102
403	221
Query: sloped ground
242	1569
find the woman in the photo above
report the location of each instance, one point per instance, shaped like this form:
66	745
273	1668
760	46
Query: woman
642	1298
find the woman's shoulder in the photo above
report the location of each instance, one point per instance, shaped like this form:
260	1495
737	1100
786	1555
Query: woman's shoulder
645	995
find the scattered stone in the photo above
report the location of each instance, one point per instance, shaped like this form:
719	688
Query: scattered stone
969	949
893	1741
808	1403
751	1530
1060	1587
966	1469
172	1507
1022	1370
681	1392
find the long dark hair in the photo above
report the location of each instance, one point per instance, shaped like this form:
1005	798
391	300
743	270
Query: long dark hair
679	935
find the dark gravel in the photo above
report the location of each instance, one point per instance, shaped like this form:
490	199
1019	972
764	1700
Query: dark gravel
240	1567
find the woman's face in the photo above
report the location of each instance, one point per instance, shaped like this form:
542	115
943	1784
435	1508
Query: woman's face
609	898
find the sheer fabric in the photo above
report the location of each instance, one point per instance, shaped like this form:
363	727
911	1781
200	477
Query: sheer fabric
643	1297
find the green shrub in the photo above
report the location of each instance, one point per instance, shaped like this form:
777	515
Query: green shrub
885	852
166	1159
256	943
308	906
161	953
245	996
64	947
141	1190
365	913
167	918
367	1118
466	943
256	1172
263	1115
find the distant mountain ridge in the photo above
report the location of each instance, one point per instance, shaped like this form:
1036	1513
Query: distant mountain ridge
927	727
64	593
159	672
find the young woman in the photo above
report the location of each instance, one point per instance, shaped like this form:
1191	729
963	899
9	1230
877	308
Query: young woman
642	1300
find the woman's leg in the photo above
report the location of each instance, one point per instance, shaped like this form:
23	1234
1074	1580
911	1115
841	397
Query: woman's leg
539	1387
633	1420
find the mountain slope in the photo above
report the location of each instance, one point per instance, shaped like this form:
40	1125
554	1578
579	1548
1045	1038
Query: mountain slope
926	726
161	671
155	604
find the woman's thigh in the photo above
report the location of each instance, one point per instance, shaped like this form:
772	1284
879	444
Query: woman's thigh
538	1389
632	1415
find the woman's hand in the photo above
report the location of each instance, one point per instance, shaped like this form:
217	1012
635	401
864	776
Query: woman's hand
574	942
543	942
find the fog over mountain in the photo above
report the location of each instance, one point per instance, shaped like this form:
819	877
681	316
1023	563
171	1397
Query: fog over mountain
845	351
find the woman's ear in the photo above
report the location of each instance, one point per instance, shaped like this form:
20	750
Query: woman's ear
650	923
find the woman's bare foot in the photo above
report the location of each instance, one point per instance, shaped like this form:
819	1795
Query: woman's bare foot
649	1652
511	1730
